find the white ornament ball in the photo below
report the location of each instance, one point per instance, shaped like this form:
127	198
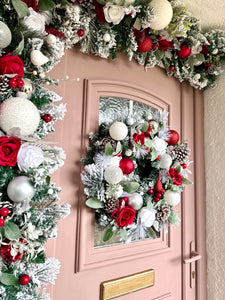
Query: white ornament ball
165	161
5	36
27	87
136	201
51	39
20	189
155	126
148	118
106	37
130	121
164	14
38	58
172	198
19	113
128	152
113	174
76	8
118	131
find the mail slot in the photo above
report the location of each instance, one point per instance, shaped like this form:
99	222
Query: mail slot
121	286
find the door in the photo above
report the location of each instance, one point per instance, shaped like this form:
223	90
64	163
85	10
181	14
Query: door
85	265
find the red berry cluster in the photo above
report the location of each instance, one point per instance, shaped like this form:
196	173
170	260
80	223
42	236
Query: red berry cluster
16	82
3	213
140	137
47	118
176	177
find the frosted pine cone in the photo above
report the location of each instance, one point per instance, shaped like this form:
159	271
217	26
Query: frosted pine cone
7	204
111	204
182	152
108	140
4	85
86	3
163	213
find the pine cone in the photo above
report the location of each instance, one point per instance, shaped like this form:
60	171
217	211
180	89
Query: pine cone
106	140
163	213
86	3
182	152
111	204
4	85
10	208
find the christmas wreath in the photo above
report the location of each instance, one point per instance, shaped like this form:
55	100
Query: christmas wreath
134	175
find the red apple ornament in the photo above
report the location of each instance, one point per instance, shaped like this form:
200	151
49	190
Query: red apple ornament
145	44
173	137
126	165
184	51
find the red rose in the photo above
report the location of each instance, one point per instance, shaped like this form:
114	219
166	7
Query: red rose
164	45
139	138
177	178
7	256
124	216
99	11
11	65
9	148
31	3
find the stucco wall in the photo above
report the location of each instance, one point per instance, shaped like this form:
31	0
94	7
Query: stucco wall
215	188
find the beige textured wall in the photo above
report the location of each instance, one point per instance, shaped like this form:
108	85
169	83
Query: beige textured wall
215	188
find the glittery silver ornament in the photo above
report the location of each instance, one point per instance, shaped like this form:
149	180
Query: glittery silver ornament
113	174
5	35
20	189
155	126
136	201
106	37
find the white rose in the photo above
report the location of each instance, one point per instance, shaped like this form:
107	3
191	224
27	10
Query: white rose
114	13
34	21
147	216
29	157
160	145
47	16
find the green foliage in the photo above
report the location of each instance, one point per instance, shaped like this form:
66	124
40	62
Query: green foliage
11	231
9	279
108	149
21	8
39	101
94	203
108	234
130	187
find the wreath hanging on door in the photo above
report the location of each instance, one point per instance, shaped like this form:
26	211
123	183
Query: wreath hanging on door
134	175
33	37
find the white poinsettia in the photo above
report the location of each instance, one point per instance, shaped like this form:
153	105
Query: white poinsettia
29	156
114	13
160	145
147	216
35	21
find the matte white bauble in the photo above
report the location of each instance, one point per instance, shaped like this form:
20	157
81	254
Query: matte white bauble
19	113
5	36
155	126
172	198
106	37
130	121
27	87
164	14
51	39
128	152
113	174
118	131
148	118
20	189
165	161
136	201
38	58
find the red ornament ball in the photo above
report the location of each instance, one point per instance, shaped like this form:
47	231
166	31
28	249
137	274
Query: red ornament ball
173	137
145	44
184	51
24	279
126	165
2	222
47	118
80	32
150	191
4	212
20	83
172	68
13	82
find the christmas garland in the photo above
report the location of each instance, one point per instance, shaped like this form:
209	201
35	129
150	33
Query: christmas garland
33	37
134	175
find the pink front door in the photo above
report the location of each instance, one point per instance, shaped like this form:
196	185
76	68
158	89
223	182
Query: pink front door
84	267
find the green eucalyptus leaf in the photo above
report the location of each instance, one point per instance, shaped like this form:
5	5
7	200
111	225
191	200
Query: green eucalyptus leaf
156	225
191	61
144	127
108	149
149	143
45	5
118	147
103	2
173	218
137	24
20	47
186	181
123	234
159	54
11	231
9	279
130	187
178	169
94	203
154	154
21	8
108	234
200	57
